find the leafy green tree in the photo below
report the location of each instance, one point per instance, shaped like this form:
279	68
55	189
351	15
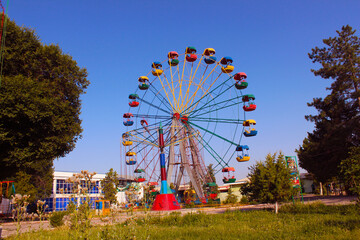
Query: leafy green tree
350	169
109	184
231	198
39	107
24	186
269	181
337	124
211	173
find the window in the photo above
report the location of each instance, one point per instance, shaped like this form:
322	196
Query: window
49	203
63	187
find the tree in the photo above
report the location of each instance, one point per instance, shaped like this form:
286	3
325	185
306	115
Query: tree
231	198
109	184
269	181
211	173
337	125
39	107
350	169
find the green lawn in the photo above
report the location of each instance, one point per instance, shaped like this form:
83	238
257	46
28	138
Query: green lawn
293	222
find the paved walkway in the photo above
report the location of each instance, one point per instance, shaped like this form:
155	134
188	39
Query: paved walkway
10	227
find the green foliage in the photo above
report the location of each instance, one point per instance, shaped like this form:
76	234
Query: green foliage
231	198
350	169
269	180
56	218
244	200
40	107
109	184
337	125
25	186
211	173
80	215
189	204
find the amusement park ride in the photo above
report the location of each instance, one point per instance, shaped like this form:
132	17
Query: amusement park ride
188	108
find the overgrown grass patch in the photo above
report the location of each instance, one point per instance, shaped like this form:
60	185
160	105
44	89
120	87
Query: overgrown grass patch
293	222
320	208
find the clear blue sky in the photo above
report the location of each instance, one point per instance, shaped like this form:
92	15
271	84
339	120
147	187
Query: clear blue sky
117	41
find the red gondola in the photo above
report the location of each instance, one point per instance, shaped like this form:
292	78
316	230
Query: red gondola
190	54
127	119
240	76
249	108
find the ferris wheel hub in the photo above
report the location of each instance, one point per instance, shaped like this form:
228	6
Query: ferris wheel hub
176	115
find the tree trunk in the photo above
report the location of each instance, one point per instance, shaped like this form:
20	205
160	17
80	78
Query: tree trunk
321	190
276	207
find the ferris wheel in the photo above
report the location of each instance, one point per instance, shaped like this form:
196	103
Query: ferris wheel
197	102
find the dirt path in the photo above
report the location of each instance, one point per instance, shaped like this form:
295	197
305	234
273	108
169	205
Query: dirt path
9	228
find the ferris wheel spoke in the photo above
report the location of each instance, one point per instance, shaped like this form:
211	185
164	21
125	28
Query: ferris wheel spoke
214	134
191	79
211	151
204	92
217	109
174	103
152	116
143	160
218	120
212	99
181	79
150	126
182	139
172	83
216	104
153	172
208	93
146	139
158	94
157	107
166	93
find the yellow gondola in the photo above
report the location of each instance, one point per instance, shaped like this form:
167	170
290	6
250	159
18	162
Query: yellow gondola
157	72
227	69
249	122
128	154
209	52
143	78
243	159
127	143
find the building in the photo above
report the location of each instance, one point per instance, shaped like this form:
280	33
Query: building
63	193
235	187
307	182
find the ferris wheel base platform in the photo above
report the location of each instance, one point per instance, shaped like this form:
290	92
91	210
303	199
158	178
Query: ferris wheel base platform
165	202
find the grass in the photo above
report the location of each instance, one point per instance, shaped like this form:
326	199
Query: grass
315	221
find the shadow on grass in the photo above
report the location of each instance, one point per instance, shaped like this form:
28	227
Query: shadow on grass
350	224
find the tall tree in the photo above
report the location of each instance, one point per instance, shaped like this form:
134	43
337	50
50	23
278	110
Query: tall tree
109	184
269	181
39	106
337	124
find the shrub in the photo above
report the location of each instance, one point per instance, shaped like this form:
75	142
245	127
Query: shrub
56	218
244	200
231	198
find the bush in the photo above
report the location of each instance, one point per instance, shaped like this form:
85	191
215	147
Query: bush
56	218
231	198
244	200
